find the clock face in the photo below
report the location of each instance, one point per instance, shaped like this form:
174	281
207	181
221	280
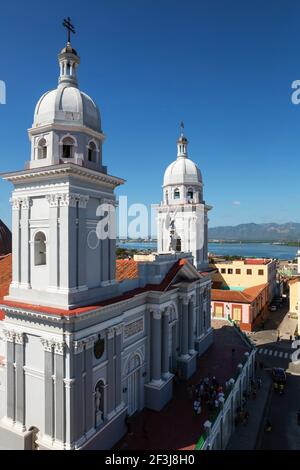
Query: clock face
99	348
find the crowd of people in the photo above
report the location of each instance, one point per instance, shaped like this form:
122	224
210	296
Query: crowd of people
207	393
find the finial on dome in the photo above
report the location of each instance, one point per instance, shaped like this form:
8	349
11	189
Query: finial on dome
68	58
70	29
182	143
181	125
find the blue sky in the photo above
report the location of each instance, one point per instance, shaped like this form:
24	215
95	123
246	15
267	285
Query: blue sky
225	67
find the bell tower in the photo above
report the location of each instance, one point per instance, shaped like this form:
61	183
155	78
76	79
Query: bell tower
61	258
182	215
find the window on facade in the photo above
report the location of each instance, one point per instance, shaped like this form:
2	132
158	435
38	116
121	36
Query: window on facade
237	271
190	194
218	311
237	314
42	149
178	244
230	271
40	249
249	271
260	272
92	152
68	148
223	270
176	193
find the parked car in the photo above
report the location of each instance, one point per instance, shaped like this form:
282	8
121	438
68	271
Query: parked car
278	375
272	308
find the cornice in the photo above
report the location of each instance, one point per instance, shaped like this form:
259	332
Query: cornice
64	169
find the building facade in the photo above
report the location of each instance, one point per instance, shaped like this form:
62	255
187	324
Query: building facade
80	350
245	273
294	291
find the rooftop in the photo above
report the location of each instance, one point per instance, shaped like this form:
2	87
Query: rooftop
246	296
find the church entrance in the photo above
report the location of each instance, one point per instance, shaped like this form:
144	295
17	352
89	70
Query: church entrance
133	384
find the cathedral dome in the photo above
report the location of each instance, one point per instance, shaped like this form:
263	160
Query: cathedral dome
182	171
67	105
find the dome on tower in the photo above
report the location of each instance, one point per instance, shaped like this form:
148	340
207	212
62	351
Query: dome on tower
182	171
67	105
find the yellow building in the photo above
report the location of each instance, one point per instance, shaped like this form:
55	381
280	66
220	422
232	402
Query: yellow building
245	273
294	294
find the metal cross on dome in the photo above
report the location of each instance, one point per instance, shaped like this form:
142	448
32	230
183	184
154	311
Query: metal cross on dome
70	28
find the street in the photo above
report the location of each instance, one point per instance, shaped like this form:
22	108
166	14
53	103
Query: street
281	410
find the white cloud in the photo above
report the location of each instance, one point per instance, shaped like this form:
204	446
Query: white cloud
236	203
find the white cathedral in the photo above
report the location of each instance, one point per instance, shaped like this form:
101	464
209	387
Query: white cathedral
81	349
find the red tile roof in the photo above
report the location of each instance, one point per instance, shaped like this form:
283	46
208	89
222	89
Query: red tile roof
246	296
5	278
163	286
257	261
126	269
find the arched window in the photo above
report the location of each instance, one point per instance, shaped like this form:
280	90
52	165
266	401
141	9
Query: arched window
92	152
176	194
42	149
40	249
190	193
68	147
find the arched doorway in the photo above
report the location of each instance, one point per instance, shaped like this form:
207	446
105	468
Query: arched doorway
133	384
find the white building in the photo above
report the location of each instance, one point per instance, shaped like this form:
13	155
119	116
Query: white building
82	350
182	216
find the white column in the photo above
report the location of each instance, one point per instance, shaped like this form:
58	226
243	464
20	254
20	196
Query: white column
156	347
16	272
165	344
53	247
185	328
83	201
191	327
25	247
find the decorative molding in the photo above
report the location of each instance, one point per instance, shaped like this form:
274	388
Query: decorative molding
16	202
64	170
20	338
53	200
59	347
89	342
26	202
47	344
83	201
9	336
185	300
156	313
133	328
119	329
78	346
110	332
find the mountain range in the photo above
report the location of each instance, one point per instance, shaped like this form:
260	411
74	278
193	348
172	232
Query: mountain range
289	232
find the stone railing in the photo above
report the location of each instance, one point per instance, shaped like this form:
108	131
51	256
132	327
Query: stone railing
221	424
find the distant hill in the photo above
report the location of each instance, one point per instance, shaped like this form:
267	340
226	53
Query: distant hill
257	232
5	239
